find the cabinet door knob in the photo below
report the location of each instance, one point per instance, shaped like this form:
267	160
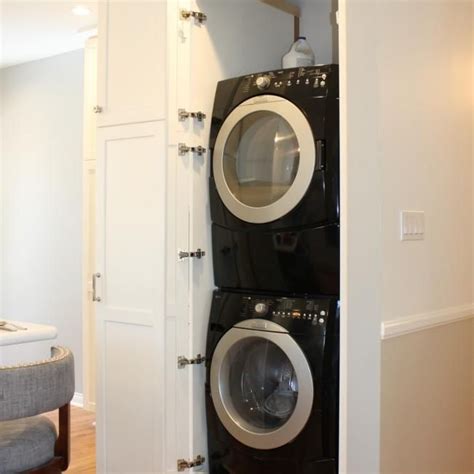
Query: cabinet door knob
96	298
97	109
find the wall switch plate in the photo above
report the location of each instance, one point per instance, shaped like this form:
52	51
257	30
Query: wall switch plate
412	225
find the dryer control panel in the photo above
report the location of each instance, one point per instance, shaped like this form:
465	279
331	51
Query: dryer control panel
316	81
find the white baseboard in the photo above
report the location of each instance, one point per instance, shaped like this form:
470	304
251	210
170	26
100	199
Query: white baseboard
420	322
78	400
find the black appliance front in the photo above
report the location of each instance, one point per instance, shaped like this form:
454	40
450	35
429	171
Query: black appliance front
272	384
299	261
275	178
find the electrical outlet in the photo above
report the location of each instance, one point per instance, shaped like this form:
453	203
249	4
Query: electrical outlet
412	225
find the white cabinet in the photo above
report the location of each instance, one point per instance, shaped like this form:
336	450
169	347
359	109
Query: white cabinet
131	183
132	61
131	260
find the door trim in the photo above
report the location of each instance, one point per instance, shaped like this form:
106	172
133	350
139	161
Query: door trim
304	134
234	424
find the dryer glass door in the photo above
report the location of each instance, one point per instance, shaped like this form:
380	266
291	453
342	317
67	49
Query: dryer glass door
261	386
264	159
261	159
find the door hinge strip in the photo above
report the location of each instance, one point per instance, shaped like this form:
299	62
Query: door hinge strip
197	254
197	461
183	149
200	17
184	361
183	115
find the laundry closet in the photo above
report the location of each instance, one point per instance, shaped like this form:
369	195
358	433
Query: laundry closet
159	64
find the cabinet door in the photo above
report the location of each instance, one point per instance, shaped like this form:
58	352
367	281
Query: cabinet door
132	61
131	182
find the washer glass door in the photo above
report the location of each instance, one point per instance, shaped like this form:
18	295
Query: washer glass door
264	159
261	386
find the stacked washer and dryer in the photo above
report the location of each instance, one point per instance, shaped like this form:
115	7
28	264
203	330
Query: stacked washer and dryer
272	387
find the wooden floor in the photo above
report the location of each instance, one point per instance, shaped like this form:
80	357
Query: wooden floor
82	440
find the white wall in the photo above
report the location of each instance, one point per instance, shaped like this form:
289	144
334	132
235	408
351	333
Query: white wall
318	24
425	136
42	196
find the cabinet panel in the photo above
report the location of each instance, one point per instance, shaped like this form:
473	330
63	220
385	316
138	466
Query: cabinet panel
132	61
90	98
89	333
131	173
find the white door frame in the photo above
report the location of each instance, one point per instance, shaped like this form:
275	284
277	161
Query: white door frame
88	223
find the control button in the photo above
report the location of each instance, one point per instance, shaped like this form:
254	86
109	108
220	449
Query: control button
323	313
321	320
324	77
263	82
296	315
298	82
288	83
261	308
306	82
322	83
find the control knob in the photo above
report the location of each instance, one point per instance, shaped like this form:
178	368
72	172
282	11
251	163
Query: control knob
261	308
263	82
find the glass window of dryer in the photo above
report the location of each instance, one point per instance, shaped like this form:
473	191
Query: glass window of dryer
262	384
261	158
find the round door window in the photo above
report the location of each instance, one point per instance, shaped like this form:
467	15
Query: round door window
263	386
264	159
261	158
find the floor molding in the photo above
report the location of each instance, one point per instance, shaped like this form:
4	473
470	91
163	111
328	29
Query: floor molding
78	400
420	322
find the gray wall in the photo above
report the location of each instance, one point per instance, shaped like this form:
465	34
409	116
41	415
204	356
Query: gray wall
42	109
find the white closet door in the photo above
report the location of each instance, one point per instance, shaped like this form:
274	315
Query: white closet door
132	61
228	53
131	183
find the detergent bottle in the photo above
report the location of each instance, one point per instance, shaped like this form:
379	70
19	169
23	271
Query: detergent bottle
299	55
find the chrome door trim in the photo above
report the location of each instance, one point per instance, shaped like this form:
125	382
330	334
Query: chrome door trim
293	115
261	325
241	430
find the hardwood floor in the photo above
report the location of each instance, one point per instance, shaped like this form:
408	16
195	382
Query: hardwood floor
82	440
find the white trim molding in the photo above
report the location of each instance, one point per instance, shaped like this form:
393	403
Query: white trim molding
420	322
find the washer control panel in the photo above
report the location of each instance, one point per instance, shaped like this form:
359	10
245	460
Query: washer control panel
289	312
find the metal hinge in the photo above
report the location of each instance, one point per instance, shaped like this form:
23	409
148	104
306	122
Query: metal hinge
197	461
198	150
198	16
184	115
184	361
197	254
97	109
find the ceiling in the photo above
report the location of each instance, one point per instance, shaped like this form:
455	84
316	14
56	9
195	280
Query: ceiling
35	29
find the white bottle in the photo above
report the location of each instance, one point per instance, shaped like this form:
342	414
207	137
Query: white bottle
300	55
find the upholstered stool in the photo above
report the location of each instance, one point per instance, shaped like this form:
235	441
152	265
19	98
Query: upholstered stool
29	443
